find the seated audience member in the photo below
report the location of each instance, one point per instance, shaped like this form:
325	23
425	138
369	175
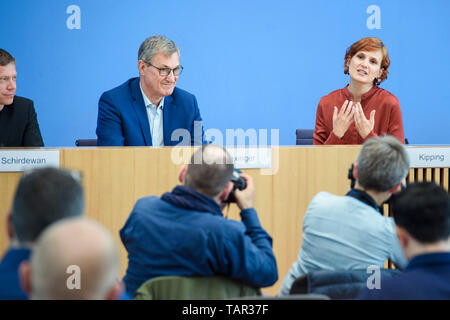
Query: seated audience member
422	216
348	232
43	196
73	259
184	233
18	121
147	110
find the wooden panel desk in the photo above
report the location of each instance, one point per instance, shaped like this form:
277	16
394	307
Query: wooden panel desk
114	178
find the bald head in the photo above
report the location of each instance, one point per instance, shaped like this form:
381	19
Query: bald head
74	259
210	170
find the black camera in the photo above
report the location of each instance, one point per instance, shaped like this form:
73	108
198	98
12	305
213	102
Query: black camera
351	177
238	183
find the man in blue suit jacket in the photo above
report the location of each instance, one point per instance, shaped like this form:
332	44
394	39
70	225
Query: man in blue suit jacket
150	110
422	216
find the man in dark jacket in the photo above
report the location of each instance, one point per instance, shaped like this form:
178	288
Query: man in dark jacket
184	233
18	121
422	218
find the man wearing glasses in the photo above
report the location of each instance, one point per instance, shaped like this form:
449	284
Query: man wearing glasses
150	110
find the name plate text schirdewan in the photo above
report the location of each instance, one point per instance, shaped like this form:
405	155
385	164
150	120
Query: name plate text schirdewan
21	160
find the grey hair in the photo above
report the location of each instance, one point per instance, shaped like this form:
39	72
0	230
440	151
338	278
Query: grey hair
155	44
210	169
382	163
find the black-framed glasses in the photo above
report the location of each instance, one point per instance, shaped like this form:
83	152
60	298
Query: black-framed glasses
164	72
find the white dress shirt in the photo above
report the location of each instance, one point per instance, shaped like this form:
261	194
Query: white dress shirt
155	120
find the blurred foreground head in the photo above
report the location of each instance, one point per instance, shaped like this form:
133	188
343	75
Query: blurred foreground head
44	196
73	259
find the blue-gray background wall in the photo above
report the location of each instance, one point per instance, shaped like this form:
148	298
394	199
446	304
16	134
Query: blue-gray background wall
251	63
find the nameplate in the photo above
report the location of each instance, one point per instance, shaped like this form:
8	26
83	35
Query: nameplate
251	158
21	160
429	157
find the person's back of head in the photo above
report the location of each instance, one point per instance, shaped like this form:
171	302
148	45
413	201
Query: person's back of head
382	164
42	197
73	259
423	210
209	170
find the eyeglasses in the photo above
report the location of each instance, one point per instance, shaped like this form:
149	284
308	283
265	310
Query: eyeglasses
164	72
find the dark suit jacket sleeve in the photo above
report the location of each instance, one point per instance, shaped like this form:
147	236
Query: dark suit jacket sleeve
197	133
109	124
32	134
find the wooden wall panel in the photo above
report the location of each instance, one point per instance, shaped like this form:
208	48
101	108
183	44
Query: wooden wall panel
8	185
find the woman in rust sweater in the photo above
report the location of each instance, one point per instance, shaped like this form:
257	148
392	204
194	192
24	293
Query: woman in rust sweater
360	110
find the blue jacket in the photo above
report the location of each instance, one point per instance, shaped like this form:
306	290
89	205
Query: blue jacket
427	276
122	117
184	233
10	288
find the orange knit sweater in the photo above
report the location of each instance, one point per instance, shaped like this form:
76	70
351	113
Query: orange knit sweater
388	116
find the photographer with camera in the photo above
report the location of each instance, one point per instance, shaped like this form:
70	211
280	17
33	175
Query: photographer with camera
184	233
349	232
